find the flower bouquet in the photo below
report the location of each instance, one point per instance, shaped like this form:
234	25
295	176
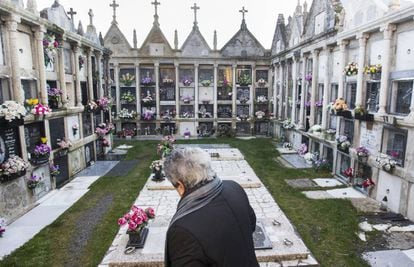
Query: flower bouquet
127	79
321	164
368	183
330	134
148	115
156	167
244	80
54	95
166	146
167	81
33	181
91	106
349	174
351	69
374	71
105	142
12	111
260	114
309	158
361	114
362	153
302	149
54	170
386	162
187	99
137	220
64	143
261	82
205	83
12	168
104	129
315	129
103	103
187	81
147	81
262	99
50	46
40	154
308	77
342	143
287	124
41	109
341	108
128	97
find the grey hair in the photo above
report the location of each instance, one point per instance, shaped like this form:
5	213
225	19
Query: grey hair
191	166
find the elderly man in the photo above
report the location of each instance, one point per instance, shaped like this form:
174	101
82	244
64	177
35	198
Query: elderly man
214	222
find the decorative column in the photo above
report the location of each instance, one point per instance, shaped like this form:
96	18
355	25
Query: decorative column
388	31
302	110
286	95
326	83
280	93
215	92
11	24
315	65
294	84
177	91
275	78
137	89
196	93
157	88
361	63
98	57
39	34
117	90
75	49
252	88
62	74
342	59
234	107
90	74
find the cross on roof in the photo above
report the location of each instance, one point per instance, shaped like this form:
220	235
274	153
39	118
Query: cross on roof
71	13
156	3
114	5
90	13
243	11
195	8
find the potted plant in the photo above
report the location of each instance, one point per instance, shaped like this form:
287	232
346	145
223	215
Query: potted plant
156	167
205	83
12	114
165	147
148	115
260	114
41	109
362	153
361	114
54	97
386	162
342	143
244	80
147	81
127	98
54	170
12	168
137	220
33	181
127	79
315	130
351	69
187	99
287	124
50	46
330	134
187	81
40	154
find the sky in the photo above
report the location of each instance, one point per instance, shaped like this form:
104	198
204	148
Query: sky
220	15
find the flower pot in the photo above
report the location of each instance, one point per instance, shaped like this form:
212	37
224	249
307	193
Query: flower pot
54	102
344	113
345	150
39	159
137	239
375	76
12	176
388	168
61	153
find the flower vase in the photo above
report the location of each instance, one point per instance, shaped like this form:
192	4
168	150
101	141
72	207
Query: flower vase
39	159
137	238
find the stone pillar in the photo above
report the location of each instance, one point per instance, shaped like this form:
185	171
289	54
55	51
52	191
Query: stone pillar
275	78
11	24
326	89
286	98
196	93
215	91
177	90
252	87
117	90
280	93
62	74
75	49
361	64
157	88
234	107
294	84
90	74
315	65
388	31
98	56
342	59
39	34
137	89
302	110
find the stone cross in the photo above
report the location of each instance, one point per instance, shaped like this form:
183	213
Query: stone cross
195	8
71	13
156	3
114	5
243	11
90	13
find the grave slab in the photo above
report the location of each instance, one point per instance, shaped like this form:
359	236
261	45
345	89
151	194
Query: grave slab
300	183
282	150
409	253
318	194
296	161
124	147
122	168
388	258
345	193
324	182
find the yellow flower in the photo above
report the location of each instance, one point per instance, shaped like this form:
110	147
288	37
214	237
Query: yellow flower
43	139
35	101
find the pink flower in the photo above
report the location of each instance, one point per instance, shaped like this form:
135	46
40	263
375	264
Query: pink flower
132	226
150	212
122	221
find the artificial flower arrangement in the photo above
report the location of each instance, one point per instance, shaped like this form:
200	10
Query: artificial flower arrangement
359	110
33	181
205	83
187	133
168	114
147	81
81	61
64	143
309	157
2	226
362	151
349	173
303	148
260	114
91	106
351	69
319	103
261	82
41	150
165	147
385	162
54	170
148	115
244	80
156	165
104	129
225	84
242	117
54	93
167	81
203	113
11	110
29	103
187	99
330	134
103	103
315	129
343	143
373	69
186	81
136	218
127	79
331	131
308	77
13	165
126	114
262	99
75	128
50	46
105	142
287	124
321	164
340	105
41	109
128	97
368	183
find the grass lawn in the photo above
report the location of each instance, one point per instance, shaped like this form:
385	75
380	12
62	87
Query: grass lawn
327	226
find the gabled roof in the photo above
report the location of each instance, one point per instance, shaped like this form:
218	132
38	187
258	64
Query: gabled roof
195	45
317	7
243	44
155	36
116	41
280	35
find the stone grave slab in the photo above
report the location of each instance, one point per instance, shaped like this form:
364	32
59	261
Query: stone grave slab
330	182
318	194
348	192
124	147
123	168
296	161
300	183
283	150
100	168
409	253
204	146
388	258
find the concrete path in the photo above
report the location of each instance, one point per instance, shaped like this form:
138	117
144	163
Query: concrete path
50	207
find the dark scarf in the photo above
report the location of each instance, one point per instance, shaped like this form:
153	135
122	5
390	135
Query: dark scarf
195	200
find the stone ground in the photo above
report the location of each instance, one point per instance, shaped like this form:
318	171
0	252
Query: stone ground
230	164
50	207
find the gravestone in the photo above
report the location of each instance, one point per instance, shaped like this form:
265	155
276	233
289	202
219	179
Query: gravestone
260	238
63	176
89	154
57	131
9	143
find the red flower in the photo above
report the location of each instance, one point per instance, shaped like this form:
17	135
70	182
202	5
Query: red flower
368	182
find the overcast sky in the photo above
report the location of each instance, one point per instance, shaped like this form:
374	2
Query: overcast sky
220	15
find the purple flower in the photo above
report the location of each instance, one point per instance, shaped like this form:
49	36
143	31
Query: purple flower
54	92
146	80
42	149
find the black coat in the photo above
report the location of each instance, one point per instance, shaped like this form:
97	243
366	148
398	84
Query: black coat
219	234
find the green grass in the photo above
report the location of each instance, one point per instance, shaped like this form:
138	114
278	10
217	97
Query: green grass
327	226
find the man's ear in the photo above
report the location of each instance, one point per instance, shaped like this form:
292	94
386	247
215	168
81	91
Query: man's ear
180	188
